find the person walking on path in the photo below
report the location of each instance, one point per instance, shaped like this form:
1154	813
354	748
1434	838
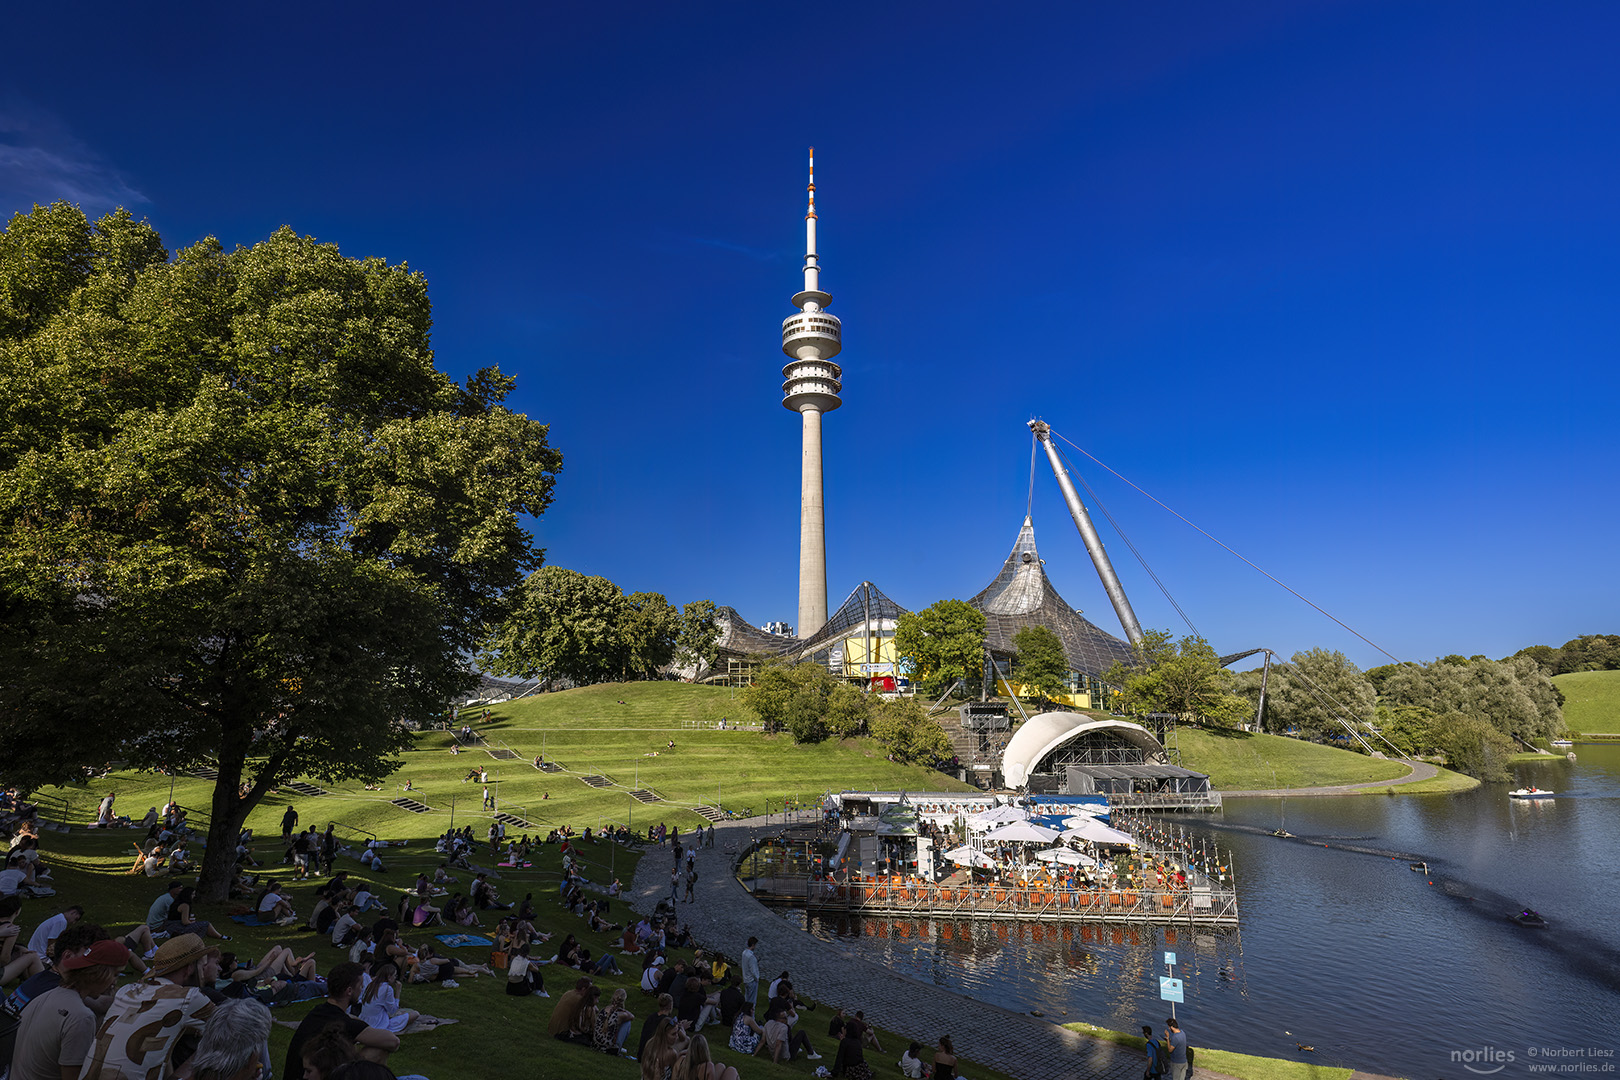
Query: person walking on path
1155	1055
289	822
1176	1042
675	885
750	972
691	882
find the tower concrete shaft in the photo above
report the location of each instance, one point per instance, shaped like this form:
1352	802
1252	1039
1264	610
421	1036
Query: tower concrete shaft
811	384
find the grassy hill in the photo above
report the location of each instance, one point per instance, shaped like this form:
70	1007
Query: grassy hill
1591	701
1239	761
620	731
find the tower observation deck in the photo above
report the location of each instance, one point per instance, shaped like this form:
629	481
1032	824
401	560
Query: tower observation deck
811	383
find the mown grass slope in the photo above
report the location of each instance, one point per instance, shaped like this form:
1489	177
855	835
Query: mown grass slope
619	730
1244	761
1591	701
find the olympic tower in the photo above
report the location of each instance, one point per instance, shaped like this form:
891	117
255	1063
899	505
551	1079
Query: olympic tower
810	387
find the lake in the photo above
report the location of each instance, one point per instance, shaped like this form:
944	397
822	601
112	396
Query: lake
1349	951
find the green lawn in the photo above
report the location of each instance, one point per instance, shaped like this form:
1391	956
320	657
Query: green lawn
1591	701
1242	1066
588	732
496	1036
1244	761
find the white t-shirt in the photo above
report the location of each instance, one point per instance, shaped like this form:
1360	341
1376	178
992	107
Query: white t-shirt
271	899
46	932
11	881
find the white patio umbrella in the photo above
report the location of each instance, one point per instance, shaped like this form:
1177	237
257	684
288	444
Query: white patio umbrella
1098	833
1066	856
969	856
999	815
1023	832
1087	813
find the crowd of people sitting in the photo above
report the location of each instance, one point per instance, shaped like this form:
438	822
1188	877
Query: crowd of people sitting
68	1011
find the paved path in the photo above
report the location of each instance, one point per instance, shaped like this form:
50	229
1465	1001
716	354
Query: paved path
725	916
1421	770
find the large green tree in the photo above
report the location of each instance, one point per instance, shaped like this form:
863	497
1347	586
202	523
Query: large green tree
1184	678
1319	692
1515	696
564	624
942	643
1041	662
246	520
906	731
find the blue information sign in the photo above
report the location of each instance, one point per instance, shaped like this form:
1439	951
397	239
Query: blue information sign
1170	959
1170	989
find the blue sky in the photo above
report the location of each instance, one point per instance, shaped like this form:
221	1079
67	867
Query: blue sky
1337	281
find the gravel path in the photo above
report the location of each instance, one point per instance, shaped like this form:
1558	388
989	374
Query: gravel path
724	916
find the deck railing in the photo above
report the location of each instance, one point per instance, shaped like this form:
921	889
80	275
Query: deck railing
898	896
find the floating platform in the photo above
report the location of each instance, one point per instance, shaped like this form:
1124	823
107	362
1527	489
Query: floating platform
918	900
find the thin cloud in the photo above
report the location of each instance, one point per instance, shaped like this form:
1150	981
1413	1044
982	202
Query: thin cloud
41	161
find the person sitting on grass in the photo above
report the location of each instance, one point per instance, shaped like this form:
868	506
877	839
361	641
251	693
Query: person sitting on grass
613	1023
663	1050
484	895
55	1036
235	1043
599	925
523	974
14	962
273	907
342	984
379	1005
698	1064
565	1014
747	1036
783	1042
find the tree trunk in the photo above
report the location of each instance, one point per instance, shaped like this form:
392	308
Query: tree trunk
225	820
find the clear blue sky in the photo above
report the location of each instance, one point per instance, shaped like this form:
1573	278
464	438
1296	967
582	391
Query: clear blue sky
1338	281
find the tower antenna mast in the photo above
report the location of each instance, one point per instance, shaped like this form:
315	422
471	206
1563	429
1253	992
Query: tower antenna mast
811	385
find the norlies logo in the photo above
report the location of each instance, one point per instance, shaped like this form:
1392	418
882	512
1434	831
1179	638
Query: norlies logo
1484	1061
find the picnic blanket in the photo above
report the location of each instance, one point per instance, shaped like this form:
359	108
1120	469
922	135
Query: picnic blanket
250	920
456	941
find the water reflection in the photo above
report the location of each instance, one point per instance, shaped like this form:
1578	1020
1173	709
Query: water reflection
1343	947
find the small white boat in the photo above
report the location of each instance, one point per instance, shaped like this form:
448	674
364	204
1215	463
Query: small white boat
1530	793
1562	743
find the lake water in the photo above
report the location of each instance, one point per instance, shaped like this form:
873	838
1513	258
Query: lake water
1350	951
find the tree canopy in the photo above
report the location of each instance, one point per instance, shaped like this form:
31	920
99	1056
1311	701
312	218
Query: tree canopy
1184	678
1041	662
585	629
1318	692
1589	652
246	518
942	643
811	704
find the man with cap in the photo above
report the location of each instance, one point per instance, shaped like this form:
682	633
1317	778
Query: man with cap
58	1027
147	1018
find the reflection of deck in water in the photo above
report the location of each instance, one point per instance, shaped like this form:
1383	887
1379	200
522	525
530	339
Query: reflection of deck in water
902	899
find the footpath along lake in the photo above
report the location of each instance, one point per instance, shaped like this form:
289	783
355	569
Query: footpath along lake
1350	952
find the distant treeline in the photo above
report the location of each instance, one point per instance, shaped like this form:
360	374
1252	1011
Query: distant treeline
1589	652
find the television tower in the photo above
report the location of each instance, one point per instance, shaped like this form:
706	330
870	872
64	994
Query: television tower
810	387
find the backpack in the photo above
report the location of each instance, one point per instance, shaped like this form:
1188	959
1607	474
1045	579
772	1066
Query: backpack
1189	1061
1156	1059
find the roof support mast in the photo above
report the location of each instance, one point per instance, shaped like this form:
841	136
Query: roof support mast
1088	533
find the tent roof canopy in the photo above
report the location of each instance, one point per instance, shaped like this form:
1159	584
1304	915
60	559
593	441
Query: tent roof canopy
1022	595
1045	732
